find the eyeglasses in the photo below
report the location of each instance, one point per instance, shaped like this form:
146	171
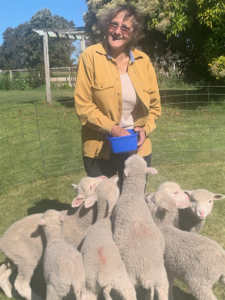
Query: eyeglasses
123	28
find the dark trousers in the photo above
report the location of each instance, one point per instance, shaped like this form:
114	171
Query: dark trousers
115	165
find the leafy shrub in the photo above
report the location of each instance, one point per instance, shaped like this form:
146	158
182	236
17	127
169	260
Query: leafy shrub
4	81
169	79
35	79
217	67
20	81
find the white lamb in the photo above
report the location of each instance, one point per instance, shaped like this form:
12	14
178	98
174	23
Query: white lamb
5	284
23	242
166	191
139	240
62	263
194	216
85	188
105	270
202	201
195	259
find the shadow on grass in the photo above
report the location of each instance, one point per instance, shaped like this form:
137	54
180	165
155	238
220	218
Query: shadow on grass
181	295
66	101
178	294
45	204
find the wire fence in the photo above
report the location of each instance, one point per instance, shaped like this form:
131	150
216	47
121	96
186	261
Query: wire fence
38	141
22	79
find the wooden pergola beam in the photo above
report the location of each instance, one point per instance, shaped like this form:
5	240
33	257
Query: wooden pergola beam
79	34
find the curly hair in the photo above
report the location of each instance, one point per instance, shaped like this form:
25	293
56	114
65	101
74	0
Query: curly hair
106	17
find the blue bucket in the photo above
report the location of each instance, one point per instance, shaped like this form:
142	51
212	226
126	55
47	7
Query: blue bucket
125	143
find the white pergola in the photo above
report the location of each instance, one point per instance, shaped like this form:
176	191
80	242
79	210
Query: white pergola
75	34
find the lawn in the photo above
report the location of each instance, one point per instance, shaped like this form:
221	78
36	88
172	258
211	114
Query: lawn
41	153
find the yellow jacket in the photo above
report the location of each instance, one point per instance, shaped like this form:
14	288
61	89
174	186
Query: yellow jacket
98	98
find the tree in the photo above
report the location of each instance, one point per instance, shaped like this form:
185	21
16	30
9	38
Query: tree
188	31
22	48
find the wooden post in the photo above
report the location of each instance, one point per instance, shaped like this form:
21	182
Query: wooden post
47	71
82	43
71	33
10	75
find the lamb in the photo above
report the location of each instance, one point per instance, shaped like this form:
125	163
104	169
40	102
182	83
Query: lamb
63	265
5	284
166	191
23	241
139	240
86	187
193	218
191	257
105	271
22	245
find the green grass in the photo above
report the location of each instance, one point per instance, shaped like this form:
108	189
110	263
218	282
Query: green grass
37	140
41	154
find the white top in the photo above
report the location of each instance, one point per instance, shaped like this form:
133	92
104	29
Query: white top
129	99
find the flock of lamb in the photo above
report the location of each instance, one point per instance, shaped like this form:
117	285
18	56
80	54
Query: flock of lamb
112	246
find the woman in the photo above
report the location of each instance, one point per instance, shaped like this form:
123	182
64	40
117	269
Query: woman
116	90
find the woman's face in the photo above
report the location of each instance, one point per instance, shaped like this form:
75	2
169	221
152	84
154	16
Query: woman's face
120	32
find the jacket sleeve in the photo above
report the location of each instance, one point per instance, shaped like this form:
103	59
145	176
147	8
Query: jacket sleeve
87	111
155	103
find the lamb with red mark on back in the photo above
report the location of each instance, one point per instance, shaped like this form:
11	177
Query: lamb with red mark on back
140	242
105	270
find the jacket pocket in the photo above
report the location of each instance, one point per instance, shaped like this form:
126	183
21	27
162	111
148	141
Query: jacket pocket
101	87
103	96
148	91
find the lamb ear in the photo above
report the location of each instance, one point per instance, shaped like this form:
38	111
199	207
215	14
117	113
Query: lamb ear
93	186
77	201
62	216
218	197
149	197
166	205
188	192
115	178
184	203
42	222
163	203
90	201
126	171
152	171
75	186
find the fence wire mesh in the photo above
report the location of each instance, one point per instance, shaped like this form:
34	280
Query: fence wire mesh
38	141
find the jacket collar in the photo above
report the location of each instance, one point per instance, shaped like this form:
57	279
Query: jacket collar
134	53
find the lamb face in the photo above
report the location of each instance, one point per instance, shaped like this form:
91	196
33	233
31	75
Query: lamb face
173	193
202	202
85	188
168	195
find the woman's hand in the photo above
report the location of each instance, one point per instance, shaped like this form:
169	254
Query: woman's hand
142	136
119	131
